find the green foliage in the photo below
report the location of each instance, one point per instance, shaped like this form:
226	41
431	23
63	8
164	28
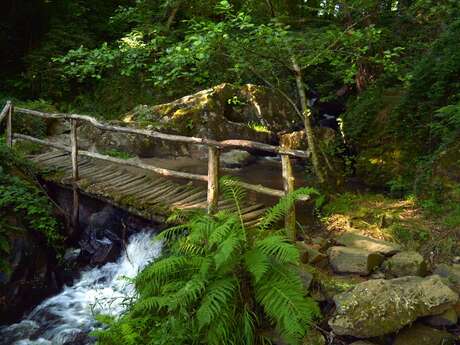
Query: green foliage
21	197
117	153
220	283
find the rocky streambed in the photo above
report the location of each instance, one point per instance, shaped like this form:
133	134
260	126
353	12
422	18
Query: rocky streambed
373	292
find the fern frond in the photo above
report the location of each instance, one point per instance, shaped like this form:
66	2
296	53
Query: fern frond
189	293
231	190
173	232
221	231
277	212
226	249
284	302
217	299
160	271
248	325
257	263
279	248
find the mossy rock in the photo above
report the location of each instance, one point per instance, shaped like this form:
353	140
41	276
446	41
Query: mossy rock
379	307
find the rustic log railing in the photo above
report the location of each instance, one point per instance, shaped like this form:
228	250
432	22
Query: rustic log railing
214	149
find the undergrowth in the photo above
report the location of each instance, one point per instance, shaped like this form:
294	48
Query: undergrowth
219	282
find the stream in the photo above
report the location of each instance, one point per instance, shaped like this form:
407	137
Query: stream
68	317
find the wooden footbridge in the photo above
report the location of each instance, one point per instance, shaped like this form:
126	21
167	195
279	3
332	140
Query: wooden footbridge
144	189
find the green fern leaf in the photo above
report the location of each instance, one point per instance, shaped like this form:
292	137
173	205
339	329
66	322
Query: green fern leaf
279	248
217	299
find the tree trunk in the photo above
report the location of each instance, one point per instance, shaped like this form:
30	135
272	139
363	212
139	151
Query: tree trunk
315	158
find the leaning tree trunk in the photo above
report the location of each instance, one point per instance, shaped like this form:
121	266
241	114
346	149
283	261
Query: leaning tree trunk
315	158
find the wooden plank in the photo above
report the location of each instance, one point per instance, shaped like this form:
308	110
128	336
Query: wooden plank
213	179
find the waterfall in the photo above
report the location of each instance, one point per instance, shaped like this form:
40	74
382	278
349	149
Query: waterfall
67	318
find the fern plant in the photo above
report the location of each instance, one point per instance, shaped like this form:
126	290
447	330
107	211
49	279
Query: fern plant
219	283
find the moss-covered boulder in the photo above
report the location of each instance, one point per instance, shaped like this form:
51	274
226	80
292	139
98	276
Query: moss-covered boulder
378	307
223	112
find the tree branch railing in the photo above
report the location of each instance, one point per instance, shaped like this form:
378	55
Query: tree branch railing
214	149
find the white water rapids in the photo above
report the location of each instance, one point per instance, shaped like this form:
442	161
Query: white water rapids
69	316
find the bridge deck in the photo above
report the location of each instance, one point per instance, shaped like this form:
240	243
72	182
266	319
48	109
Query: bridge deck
144	193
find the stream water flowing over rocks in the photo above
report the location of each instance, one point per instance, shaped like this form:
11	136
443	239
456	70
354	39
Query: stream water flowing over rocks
68	318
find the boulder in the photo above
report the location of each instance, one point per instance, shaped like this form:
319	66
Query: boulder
309	254
407	263
378	307
422	335
314	337
451	274
446	319
368	243
305	276
223	112
33	273
353	260
236	159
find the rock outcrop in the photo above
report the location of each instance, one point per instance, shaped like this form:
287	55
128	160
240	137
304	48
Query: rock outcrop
223	112
32	273
378	307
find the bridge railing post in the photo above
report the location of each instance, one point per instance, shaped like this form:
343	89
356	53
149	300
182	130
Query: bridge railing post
289	185
9	125
74	148
213	178
75	174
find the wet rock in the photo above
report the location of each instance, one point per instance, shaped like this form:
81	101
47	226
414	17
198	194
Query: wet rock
18	331
32	275
368	243
101	241
446	319
378	307
408	263
353	260
422	335
236	159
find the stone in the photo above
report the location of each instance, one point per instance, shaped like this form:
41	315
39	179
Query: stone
422	335
368	243
353	260
379	307
407	263
305	276
314	337
446	319
236	159
311	255
451	274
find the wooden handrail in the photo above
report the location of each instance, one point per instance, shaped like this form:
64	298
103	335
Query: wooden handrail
5	111
211	178
226	144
